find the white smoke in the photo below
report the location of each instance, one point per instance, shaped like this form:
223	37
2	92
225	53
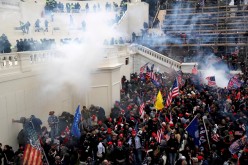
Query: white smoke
76	62
211	68
220	78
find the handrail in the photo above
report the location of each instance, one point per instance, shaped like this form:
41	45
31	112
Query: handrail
156	15
159	57
163	60
120	20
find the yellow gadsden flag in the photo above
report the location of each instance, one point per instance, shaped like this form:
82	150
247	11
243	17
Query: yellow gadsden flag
159	101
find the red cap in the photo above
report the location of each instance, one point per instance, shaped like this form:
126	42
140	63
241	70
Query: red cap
180	115
119	144
133	132
235	156
109	130
110	143
200	158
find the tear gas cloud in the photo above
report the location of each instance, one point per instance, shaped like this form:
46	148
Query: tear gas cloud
76	61
220	78
189	21
209	67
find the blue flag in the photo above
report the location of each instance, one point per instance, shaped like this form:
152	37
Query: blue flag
156	83
193	130
75	131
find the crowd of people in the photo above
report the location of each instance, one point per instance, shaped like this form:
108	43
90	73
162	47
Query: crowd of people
54	6
34	45
137	133
47	44
115	41
5	46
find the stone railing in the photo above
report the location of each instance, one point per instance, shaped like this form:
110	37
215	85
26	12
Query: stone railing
28	61
24	61
8	60
163	60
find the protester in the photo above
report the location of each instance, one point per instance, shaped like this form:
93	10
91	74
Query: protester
53	124
5	46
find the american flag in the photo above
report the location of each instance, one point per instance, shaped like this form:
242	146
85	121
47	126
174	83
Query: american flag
159	135
142	69
211	81
32	153
215	137
173	93
141	110
180	78
153	76
234	83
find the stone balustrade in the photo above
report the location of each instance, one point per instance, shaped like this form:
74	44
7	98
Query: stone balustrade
158	57
164	60
24	61
30	60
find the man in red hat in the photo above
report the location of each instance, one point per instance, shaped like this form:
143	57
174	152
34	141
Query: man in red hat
109	151
135	143
120	154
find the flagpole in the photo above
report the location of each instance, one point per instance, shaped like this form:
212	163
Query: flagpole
42	150
39	145
190	122
203	118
